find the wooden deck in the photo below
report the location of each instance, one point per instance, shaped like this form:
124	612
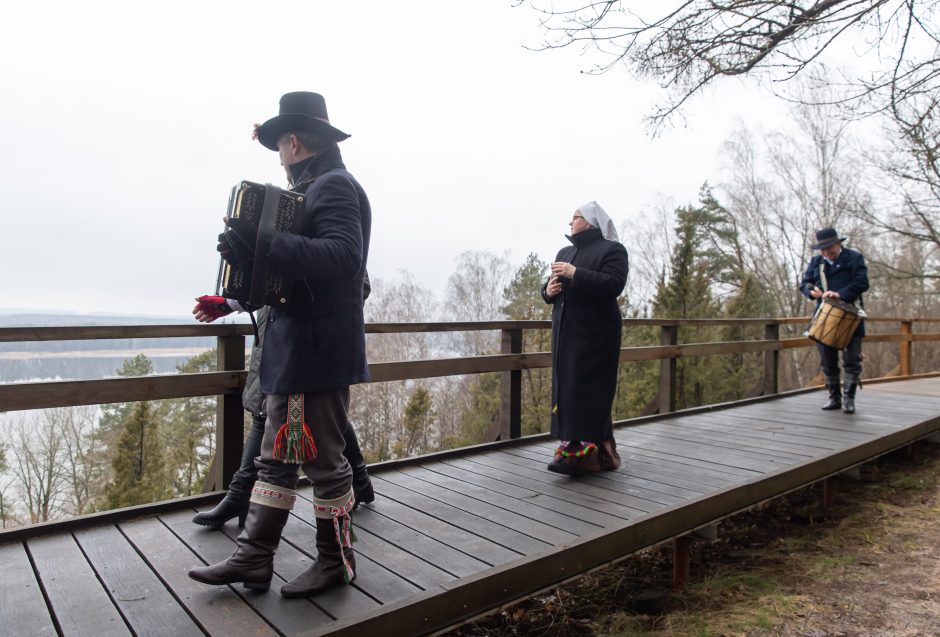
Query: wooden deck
449	538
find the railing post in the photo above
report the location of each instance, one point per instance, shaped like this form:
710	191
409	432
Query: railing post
229	416
510	412
904	362
669	335
771	360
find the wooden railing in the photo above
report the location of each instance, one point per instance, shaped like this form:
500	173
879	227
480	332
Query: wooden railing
227	382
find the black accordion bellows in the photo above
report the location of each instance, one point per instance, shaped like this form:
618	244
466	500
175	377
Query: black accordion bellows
263	210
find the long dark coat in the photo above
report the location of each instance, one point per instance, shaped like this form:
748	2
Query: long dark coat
847	275
586	327
317	342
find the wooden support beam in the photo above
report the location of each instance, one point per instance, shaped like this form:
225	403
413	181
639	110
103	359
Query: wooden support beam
510	412
681	548
229	415
771	361
669	336
904	362
829	491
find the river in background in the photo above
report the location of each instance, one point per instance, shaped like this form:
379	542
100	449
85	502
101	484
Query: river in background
18	367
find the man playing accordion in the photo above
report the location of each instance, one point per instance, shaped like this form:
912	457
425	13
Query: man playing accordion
314	349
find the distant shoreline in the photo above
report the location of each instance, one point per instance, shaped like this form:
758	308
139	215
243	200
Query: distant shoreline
154	352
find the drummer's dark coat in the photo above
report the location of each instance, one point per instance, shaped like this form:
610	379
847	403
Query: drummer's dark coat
317	342
586	326
847	275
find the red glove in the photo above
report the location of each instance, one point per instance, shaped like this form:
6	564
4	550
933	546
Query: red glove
209	308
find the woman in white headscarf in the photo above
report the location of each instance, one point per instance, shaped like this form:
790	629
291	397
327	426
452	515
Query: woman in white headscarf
587	277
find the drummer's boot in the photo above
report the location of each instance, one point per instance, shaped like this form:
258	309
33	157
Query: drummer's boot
835	397
848	397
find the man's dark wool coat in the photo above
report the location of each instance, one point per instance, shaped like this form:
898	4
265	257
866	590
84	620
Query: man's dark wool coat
317	342
586	327
847	275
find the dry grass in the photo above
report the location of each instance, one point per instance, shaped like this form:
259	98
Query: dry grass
867	566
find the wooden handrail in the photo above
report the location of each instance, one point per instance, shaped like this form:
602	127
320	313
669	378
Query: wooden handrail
106	332
39	395
226	383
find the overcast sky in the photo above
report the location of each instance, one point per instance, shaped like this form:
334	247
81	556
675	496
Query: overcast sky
126	124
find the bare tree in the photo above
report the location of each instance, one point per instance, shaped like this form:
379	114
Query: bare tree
910	191
39	470
81	464
377	409
475	293
686	46
780	187
5	509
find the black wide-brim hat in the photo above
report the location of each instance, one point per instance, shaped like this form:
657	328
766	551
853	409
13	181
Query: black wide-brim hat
826	237
300	111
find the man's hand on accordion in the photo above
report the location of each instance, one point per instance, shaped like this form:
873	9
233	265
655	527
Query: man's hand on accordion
209	308
234	243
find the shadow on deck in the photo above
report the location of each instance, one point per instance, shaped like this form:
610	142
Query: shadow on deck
453	536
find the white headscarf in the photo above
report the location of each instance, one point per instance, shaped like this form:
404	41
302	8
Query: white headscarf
597	217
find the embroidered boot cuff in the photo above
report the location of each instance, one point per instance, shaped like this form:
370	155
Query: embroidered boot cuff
271	495
337	507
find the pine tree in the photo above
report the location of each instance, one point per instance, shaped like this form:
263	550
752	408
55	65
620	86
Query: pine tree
188	430
113	415
744	372
481	413
139	463
418	421
523	302
686	292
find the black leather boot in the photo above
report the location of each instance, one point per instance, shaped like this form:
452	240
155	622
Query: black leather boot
848	398
329	569
835	398
235	502
361	482
252	563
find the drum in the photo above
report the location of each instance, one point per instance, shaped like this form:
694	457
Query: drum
834	324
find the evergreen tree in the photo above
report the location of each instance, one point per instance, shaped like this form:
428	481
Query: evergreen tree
637	381
481	414
743	375
686	292
418	421
139	463
188	430
114	415
524	302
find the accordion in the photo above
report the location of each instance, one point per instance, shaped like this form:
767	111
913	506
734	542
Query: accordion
264	210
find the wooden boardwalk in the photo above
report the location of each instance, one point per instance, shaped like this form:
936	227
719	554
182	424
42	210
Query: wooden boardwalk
449	538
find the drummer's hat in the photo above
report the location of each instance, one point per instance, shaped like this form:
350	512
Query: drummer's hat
300	111
826	237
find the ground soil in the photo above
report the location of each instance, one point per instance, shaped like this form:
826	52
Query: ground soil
868	565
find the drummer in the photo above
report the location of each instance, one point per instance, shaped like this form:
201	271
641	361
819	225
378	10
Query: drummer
837	273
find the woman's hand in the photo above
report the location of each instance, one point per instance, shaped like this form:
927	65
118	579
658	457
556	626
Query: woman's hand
553	288
562	269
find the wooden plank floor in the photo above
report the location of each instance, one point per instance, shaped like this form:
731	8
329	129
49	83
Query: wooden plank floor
452	537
